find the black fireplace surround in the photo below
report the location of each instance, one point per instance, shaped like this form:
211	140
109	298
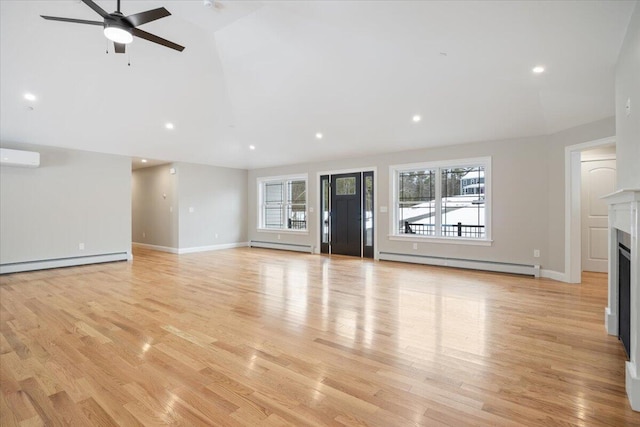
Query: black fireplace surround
624	297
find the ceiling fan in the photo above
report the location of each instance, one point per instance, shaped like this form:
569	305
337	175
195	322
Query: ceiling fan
120	29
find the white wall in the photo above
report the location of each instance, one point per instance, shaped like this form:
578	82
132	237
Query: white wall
628	87
527	188
218	201
73	197
196	208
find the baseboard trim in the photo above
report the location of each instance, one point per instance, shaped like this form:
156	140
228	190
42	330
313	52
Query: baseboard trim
213	247
19	267
632	385
281	246
500	267
156	247
180	251
610	322
554	275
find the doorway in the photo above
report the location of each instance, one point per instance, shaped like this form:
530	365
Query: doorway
598	170
347	214
573	230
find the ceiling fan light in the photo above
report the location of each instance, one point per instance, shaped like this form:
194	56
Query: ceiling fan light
118	35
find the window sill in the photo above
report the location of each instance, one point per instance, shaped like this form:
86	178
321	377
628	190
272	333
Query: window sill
283	231
446	240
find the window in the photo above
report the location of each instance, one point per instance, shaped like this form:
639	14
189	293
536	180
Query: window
345	186
283	203
442	200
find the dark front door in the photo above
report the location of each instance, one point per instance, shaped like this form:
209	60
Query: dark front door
346	214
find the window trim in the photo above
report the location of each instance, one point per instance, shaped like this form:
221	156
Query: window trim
394	172
260	181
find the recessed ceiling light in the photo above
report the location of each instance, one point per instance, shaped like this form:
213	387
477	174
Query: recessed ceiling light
29	97
169	125
252	147
318	135
144	160
539	69
416	118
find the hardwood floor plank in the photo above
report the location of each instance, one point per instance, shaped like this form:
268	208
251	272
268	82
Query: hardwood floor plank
94	413
41	403
248	337
110	397
72	414
16	408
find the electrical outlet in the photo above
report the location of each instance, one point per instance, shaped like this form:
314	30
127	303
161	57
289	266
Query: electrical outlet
81	246
216	235
415	246
144	234
278	237
536	253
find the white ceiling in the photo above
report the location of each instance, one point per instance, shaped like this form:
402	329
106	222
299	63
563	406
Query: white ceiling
273	73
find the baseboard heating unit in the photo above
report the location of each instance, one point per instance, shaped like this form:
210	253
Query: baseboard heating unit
500	267
282	246
18	267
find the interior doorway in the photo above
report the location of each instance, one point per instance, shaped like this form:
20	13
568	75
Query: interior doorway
573	191
347	218
598	178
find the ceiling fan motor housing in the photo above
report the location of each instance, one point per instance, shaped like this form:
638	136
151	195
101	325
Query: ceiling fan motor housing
118	28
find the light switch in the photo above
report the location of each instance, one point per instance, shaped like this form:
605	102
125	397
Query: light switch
191	209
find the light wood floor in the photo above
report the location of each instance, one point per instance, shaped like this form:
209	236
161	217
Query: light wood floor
258	337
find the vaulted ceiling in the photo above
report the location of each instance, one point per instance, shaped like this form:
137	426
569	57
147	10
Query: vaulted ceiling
273	74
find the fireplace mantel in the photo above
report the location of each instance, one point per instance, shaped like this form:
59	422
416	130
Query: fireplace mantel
624	215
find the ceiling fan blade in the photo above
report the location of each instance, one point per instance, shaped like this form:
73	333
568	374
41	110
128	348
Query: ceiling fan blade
75	21
155	39
100	11
119	47
148	16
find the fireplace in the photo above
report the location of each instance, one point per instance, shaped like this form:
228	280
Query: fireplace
624	296
622	315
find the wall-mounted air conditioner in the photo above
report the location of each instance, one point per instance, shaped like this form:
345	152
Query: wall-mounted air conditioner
25	159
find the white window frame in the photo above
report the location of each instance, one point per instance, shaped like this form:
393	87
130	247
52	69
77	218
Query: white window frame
394	175
260	192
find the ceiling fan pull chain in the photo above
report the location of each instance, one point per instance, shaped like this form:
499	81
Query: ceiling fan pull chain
107	50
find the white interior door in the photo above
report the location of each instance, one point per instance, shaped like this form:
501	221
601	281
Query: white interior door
598	179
